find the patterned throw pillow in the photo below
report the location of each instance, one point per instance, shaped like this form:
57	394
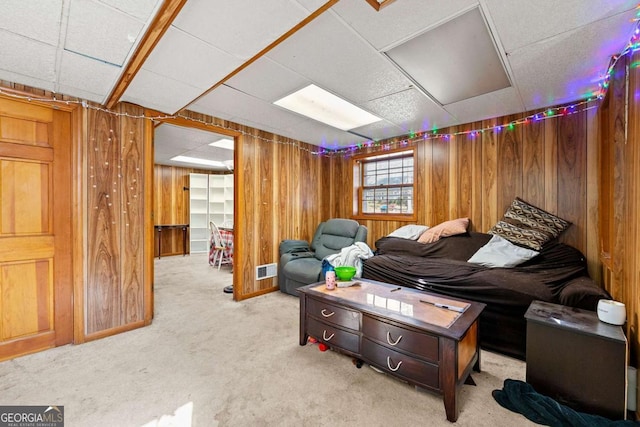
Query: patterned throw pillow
529	226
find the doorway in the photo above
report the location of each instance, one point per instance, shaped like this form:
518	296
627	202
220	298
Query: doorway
194	185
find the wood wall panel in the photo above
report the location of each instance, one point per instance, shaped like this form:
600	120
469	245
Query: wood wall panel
103	223
171	205
116	282
533	164
572	149
131	180
478	176
619	205
509	164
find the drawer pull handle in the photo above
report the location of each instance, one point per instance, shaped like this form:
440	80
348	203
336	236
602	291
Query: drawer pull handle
324	336
389	339
389	364
326	313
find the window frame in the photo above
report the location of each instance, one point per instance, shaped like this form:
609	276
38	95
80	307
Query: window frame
357	163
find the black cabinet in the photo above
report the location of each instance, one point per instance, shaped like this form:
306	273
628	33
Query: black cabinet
576	359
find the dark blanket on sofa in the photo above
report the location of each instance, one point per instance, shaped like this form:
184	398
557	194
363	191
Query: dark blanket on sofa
557	275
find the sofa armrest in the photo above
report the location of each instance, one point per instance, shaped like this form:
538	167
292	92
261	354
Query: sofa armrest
582	292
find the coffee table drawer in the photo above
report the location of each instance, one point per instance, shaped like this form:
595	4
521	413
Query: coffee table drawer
418	343
414	370
330	313
333	336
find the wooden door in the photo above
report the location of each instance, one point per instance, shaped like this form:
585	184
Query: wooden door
35	228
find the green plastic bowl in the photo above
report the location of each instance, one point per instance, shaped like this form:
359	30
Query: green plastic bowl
345	272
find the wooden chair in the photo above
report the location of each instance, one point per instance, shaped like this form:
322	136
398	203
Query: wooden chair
218	252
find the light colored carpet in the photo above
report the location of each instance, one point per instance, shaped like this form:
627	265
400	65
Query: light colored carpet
209	361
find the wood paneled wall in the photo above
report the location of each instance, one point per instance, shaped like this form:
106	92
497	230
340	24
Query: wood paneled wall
619	144
551	163
118	199
171	205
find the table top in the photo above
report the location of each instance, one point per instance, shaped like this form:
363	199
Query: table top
410	306
576	319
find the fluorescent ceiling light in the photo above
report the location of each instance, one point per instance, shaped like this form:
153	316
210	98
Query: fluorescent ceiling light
454	61
325	107
225	143
185	159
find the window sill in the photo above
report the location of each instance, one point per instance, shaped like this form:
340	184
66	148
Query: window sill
386	217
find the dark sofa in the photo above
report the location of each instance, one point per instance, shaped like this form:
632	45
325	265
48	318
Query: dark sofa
557	275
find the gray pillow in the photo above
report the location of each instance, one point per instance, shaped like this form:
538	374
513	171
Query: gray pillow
500	252
411	231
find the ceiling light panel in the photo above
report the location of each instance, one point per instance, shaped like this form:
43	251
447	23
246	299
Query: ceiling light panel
454	61
318	104
226	143
197	161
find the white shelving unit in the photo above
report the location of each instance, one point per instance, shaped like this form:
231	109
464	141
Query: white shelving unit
210	199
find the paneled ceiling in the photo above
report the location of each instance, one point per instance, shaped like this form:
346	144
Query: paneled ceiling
233	59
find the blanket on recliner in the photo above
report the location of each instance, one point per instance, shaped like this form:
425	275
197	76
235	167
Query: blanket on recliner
351	255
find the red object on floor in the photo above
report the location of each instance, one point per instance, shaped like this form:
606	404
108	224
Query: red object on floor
312	340
322	347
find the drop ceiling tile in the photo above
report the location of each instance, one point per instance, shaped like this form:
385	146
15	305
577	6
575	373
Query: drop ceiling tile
108	38
158	92
185	58
513	19
321	135
139	9
267	80
379	130
10	76
211	153
411	111
39	20
185	138
494	104
399	20
242	27
86	74
570	65
338	60
27	57
229	104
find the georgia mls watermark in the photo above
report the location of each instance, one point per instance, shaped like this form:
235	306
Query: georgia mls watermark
31	416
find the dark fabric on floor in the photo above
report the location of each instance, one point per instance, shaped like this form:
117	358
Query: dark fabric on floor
520	397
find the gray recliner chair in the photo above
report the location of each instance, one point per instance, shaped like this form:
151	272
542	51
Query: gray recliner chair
301	263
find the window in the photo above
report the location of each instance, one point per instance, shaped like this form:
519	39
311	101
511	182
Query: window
385	184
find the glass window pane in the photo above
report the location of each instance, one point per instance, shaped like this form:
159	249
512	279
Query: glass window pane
388	185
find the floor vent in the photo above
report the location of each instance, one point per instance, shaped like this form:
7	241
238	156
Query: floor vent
267	270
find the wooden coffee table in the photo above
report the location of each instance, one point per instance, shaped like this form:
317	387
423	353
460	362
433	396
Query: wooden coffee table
398	330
